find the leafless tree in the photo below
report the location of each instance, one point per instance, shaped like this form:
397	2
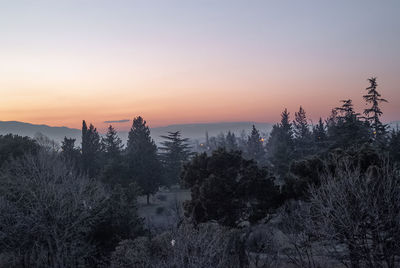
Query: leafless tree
300	250
47	213
46	143
357	214
207	245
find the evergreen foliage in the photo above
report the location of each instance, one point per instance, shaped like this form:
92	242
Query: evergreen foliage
114	170
302	134
112	144
91	150
175	151
374	112
255	147
70	153
14	146
346	129
228	189
231	143
280	145
319	135
143	164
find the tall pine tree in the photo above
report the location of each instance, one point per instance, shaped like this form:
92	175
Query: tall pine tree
348	130
319	136
319	131
91	150
142	159
69	152
301	128
114	171
112	144
231	143
280	145
255	147
374	112
175	151
302	134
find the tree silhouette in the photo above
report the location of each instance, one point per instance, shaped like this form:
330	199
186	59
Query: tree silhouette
229	189
280	145
231	144
302	133
374	112
142	159
111	143
255	147
114	170
345	128
91	149
69	152
174	152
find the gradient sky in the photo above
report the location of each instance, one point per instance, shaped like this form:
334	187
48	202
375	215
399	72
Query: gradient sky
193	61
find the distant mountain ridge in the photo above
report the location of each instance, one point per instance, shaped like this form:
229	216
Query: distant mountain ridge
191	131
26	129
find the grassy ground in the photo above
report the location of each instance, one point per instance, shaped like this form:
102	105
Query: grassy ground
165	208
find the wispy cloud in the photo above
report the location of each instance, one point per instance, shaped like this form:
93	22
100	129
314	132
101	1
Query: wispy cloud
117	121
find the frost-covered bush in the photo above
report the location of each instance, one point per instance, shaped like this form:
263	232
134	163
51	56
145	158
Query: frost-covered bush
48	213
207	245
359	212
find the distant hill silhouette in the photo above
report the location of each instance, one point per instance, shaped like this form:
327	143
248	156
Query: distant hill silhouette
191	131
26	129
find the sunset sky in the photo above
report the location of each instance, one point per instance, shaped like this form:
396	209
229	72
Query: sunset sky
193	61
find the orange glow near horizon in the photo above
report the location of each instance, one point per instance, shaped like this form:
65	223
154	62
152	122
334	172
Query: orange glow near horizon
232	103
193	62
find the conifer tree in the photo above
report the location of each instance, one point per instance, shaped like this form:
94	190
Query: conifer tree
302	133
285	125
255	147
68	150
91	149
319	131
114	171
231	144
301	128
346	111
221	141
111	143
280	145
174	153
142	159
348	130
319	136
374	112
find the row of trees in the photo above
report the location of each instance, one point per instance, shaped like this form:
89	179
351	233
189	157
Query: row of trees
140	163
293	140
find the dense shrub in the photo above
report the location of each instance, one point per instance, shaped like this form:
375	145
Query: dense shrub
14	146
229	189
